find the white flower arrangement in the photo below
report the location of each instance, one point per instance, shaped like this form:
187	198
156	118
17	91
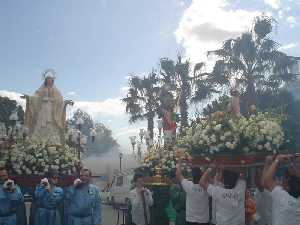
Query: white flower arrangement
27	158
224	134
165	159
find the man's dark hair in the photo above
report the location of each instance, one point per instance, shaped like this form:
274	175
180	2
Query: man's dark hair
196	174
137	175
230	179
86	170
294	186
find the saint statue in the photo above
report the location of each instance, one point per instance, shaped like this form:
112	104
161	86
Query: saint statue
234	104
45	114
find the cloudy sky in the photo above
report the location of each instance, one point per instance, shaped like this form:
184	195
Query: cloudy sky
95	45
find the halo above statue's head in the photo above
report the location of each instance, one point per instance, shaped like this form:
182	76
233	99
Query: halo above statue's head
49	73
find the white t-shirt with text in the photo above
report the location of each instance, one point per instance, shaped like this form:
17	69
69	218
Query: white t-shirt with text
286	208
197	202
230	203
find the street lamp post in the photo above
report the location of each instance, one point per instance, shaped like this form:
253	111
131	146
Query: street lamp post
159	126
133	142
13	118
120	156
142	133
139	152
79	124
93	134
147	137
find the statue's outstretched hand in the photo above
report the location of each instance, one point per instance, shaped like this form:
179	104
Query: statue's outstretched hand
24	96
69	102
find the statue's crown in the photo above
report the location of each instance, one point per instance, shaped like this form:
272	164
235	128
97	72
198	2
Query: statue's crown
49	73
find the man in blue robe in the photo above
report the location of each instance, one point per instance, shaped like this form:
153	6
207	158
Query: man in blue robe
10	198
83	203
48	197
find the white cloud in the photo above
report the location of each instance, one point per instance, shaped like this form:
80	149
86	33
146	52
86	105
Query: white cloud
109	107
204	26
275	4
289	46
71	93
291	20
280	14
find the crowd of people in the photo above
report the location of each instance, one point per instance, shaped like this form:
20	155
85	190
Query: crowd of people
79	204
215	196
218	196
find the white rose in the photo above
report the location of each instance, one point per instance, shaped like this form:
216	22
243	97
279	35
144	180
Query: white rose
268	146
218	127
228	144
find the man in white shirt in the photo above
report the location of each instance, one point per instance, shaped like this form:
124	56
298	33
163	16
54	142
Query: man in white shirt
230	199
197	199
286	200
141	200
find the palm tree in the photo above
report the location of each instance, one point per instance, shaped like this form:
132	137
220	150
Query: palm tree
253	61
142	101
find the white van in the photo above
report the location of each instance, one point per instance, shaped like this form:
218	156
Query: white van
120	188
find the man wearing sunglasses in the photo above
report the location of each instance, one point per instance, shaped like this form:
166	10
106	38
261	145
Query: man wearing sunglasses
48	197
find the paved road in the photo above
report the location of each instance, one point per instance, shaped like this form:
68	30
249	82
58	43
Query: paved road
109	215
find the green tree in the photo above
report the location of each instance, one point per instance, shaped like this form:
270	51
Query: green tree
142	100
7	106
253	61
103	142
88	122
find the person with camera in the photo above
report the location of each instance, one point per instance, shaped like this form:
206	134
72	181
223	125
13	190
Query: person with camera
10	198
141	200
82	201
286	198
48	197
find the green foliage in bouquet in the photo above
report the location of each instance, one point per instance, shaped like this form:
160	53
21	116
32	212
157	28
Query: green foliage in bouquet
222	133
28	158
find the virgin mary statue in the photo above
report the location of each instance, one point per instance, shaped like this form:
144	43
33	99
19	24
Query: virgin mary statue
45	114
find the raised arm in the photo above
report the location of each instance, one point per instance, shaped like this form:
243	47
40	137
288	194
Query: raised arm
204	181
179	175
269	181
268	163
